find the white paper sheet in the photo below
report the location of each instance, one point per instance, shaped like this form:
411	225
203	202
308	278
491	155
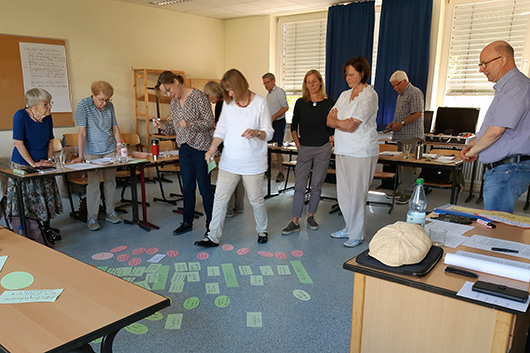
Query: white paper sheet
497	266
156	258
3	260
104	160
390	153
44	66
486	243
30	296
467	292
80	166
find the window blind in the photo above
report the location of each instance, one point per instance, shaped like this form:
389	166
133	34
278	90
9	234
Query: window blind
303	49
475	26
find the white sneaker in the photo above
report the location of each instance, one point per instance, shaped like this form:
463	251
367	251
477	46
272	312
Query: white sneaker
112	217
352	243
340	234
93	224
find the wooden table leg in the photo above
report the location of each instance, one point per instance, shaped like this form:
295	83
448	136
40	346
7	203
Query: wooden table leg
359	284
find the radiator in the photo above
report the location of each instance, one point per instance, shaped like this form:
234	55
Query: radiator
468	173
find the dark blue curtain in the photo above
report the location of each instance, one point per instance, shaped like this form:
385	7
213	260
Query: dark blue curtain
404	43
350	33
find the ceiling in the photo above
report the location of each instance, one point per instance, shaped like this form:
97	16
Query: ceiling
226	9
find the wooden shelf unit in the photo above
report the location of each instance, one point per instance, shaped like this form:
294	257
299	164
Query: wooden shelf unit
147	104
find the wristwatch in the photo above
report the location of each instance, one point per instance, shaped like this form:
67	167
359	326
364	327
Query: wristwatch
259	133
403	122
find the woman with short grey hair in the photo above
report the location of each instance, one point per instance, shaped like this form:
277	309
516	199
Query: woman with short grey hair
33	140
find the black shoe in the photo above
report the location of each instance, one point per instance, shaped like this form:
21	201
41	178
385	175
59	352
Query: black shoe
184	228
54	234
206	243
49	238
263	237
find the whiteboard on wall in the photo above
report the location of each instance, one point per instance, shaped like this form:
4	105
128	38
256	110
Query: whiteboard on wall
44	66
12	81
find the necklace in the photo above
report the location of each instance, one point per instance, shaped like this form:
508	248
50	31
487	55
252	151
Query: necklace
32	115
244	105
316	100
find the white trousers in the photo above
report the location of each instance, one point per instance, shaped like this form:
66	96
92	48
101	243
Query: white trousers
354	176
226	184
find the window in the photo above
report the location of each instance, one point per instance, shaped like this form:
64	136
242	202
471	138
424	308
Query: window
475	25
303	49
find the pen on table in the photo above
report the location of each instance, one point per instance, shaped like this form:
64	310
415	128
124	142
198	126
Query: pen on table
460	272
505	250
486	224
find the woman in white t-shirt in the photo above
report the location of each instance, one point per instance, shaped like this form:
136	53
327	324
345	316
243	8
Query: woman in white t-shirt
244	128
356	150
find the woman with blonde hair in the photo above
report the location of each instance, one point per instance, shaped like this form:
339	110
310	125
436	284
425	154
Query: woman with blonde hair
311	136
244	127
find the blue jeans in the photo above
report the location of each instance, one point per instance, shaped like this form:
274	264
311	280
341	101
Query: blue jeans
279	127
504	184
194	170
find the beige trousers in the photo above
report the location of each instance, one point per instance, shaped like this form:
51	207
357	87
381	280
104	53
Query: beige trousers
354	176
93	193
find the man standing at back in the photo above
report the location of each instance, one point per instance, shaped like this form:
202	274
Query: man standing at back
407	128
503	142
277	102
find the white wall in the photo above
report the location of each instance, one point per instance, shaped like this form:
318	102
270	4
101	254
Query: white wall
247	45
105	39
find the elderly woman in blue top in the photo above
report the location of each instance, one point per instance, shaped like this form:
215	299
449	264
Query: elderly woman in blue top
99	136
356	147
244	128
33	136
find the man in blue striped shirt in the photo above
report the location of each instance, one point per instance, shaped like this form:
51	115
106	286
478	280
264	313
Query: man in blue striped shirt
503	142
98	137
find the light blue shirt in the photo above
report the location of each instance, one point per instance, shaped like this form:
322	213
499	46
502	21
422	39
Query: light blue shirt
277	99
509	109
99	126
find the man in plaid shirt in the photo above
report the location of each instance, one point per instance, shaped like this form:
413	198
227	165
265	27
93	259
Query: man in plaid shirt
407	128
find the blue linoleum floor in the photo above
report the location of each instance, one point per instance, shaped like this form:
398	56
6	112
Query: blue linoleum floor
292	294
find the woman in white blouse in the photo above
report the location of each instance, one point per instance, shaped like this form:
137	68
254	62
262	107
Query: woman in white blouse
356	150
244	127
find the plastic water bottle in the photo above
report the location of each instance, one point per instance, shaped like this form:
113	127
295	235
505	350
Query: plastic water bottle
123	151
20	230
417	205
